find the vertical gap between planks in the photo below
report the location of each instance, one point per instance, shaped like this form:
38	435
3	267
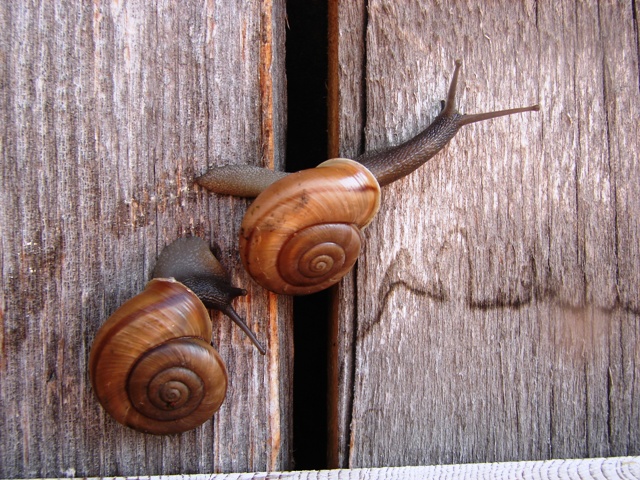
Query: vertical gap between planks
306	68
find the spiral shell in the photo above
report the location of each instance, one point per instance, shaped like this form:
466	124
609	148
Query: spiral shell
151	364
302	234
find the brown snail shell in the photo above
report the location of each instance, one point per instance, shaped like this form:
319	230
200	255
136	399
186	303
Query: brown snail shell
302	234
151	364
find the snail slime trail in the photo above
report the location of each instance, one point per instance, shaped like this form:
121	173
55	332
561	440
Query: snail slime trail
306	67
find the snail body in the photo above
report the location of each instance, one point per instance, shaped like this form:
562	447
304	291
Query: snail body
152	366
383	167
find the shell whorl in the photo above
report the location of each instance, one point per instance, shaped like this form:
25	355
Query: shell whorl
151	364
302	234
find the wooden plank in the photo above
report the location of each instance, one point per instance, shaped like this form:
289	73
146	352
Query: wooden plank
109	110
582	469
496	303
346	102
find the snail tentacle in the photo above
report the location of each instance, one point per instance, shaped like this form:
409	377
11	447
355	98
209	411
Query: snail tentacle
233	315
394	163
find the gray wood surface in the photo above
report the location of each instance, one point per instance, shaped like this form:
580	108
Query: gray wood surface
495	313
346	108
108	111
626	468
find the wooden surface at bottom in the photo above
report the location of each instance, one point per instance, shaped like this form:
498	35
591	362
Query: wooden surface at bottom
583	469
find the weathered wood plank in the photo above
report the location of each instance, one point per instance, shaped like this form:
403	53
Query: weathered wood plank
347	23
497	313
583	469
109	110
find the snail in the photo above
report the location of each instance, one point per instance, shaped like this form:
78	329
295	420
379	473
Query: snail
291	238
152	366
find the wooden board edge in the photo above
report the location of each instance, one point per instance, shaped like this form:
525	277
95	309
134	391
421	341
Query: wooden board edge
583	469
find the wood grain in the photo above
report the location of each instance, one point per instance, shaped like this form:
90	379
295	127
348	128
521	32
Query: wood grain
346	109
584	469
495	307
109	110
